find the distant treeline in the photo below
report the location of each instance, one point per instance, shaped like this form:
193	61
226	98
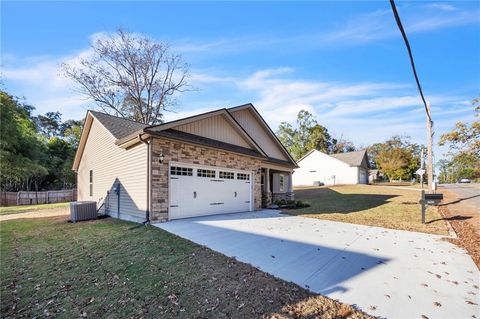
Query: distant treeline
36	152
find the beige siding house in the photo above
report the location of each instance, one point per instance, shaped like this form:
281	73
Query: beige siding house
223	161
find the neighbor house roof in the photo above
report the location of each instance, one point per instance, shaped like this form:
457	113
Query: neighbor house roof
351	158
118	126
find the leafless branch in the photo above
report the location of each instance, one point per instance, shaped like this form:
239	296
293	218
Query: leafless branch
131	76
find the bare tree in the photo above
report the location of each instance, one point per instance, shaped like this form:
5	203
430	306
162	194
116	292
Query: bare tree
131	76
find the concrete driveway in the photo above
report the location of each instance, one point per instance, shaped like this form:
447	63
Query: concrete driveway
388	273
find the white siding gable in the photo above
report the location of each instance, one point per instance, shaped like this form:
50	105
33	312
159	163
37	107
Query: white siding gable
215	127
256	130
320	167
111	165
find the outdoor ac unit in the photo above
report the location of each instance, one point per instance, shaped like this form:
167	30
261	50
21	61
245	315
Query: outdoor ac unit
85	210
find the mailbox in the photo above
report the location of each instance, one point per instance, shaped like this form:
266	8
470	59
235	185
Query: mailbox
432	199
429	199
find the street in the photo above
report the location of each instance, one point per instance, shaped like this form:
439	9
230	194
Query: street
468	196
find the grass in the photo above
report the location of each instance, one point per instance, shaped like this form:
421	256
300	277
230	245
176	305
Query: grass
110	268
370	205
26	208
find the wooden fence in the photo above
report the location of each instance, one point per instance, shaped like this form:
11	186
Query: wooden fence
31	198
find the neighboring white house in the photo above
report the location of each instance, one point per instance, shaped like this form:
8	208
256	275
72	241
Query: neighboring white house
319	168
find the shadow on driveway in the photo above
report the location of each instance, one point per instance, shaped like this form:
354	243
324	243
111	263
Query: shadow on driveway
268	243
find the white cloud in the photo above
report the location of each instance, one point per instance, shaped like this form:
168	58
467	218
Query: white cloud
441	6
40	80
363	112
355	30
380	24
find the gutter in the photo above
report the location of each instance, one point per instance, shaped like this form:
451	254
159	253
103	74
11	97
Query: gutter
149	156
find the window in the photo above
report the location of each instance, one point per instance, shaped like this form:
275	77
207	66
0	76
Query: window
226	175
205	173
281	183
91	182
182	171
245	177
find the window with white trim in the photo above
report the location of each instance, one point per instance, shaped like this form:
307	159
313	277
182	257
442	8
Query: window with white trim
205	173
181	171
226	175
91	182
243	176
281	183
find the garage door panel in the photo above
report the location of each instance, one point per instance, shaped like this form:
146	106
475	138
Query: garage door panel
198	193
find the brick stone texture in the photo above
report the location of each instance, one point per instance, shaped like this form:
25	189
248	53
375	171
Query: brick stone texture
189	153
282	196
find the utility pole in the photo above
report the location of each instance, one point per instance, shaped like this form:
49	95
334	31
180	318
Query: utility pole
429	150
422	166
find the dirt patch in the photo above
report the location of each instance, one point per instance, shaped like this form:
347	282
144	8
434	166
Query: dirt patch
59	211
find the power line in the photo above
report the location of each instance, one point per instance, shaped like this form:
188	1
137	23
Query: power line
412	63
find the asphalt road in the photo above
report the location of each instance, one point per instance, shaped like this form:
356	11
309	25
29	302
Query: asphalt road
469	194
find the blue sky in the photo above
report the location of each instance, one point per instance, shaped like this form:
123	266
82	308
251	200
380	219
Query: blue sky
343	61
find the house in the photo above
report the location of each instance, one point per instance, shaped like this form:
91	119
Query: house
223	161
317	168
375	175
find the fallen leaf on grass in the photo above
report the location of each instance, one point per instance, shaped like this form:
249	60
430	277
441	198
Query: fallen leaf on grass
173	299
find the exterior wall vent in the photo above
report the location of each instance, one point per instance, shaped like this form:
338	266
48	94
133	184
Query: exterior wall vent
84	210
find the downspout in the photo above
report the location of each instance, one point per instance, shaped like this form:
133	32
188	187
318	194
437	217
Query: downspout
149	162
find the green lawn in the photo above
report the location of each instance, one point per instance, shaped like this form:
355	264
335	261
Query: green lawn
116	269
27	208
369	205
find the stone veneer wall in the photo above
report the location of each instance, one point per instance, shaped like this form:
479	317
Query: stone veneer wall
194	154
266	199
280	196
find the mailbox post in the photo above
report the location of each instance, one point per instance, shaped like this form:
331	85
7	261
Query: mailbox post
429	199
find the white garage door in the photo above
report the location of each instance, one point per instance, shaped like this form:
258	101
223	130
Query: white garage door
207	190
363	176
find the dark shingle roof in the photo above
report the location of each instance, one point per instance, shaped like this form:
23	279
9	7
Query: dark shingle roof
352	158
196	139
119	127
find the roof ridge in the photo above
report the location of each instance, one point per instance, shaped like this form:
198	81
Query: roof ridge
118	117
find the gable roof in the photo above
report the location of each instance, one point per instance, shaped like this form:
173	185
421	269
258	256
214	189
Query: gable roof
119	127
223	112
126	132
205	141
355	158
266	127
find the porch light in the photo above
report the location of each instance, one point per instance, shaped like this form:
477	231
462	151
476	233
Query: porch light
161	157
